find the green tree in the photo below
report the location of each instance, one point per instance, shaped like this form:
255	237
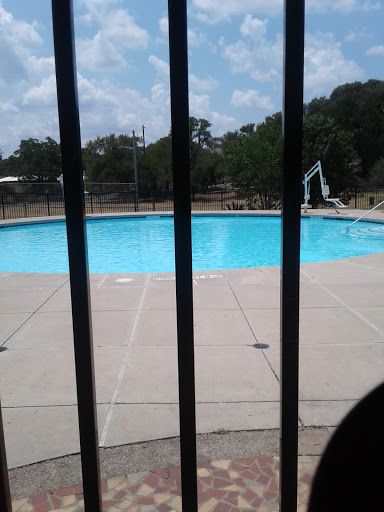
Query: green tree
324	140
155	167
247	129
36	160
200	138
357	108
10	166
109	159
252	160
377	175
207	168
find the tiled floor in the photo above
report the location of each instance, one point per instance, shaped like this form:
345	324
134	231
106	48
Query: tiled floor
223	486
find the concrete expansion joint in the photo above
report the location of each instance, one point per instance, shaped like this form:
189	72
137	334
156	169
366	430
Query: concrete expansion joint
108	418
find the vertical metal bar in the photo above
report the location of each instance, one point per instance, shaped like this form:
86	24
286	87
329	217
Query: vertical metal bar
49	211
5	494
64	39
2	205
290	259
135	171
178	60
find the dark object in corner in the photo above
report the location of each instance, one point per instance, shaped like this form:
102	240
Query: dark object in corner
350	475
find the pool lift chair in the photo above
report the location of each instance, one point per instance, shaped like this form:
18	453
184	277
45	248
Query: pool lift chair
335	201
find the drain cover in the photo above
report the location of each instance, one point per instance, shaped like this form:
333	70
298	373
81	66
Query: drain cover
260	346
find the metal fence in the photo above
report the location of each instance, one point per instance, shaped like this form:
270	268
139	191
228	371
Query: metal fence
77	203
22	205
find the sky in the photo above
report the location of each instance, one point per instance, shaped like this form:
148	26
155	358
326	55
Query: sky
235	62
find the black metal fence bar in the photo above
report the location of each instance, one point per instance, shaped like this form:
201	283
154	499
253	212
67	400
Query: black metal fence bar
64	41
5	495
178	59
290	258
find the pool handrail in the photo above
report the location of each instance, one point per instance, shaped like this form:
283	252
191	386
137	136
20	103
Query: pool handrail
365	214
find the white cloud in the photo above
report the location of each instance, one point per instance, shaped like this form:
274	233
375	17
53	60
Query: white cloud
97	9
7	106
376	50
362	34
16	32
253	27
371	5
202	84
251	99
351	36
43	94
325	65
213	11
17	40
160	94
163	25
121	28
199	106
195	83
222	123
98	54
344	6
38	67
262	59
195	39
117	33
160	66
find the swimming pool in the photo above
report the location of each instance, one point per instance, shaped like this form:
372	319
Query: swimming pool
145	244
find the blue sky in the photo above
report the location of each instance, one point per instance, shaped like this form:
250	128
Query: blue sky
235	62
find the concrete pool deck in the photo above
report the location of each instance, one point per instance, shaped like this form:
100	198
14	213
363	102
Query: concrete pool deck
237	352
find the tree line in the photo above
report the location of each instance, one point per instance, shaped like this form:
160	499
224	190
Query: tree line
344	131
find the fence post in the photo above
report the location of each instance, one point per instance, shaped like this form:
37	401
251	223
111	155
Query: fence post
221	200
178	63
25	207
91	202
5	495
290	250
49	211
69	124
2	205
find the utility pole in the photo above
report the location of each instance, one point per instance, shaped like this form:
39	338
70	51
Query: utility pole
135	170
143	137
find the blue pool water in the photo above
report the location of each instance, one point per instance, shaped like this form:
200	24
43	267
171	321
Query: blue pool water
146	244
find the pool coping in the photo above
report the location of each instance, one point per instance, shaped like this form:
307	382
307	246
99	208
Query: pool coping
350	214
